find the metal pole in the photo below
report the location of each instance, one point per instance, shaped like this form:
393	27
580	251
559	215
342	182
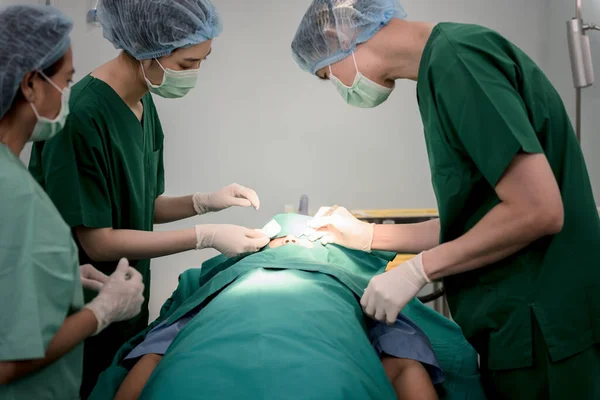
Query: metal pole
578	4
578	114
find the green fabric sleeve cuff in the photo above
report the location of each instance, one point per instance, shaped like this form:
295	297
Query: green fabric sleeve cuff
89	219
504	158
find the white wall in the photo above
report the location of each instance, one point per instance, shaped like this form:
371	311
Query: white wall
558	68
258	120
9	2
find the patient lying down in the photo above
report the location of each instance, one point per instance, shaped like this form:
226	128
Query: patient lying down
410	378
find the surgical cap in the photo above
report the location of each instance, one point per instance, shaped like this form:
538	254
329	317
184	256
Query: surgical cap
31	38
154	28
331	29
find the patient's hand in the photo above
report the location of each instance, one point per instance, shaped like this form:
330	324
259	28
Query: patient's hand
290	240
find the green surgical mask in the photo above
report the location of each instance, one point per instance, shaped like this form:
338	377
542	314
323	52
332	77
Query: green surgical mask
46	128
175	84
363	93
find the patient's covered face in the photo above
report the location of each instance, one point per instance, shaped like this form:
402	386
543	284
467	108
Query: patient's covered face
291	240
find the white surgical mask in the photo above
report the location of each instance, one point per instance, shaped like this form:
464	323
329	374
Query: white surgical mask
46	128
175	84
364	92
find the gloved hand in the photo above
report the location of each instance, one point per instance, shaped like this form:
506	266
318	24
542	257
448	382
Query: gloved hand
120	298
232	195
231	240
388	293
342	228
91	278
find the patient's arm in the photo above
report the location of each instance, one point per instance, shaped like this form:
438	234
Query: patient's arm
409	378
136	379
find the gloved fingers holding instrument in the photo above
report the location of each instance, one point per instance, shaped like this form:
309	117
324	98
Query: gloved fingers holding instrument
388	293
337	225
120	298
91	278
229	196
231	240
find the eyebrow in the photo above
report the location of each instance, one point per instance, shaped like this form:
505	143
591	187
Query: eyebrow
198	59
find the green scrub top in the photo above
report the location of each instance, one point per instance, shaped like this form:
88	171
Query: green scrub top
39	284
104	170
483	101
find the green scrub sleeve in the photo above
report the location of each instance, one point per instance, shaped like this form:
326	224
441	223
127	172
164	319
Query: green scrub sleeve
75	170
20	329
488	118
34	297
160	177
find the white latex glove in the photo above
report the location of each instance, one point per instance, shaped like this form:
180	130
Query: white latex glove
231	240
388	293
342	228
232	195
120	298
91	278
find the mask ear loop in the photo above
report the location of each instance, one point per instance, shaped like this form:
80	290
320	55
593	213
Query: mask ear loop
35	111
148	80
334	78
359	74
160	65
61	91
355	66
355	77
50	81
143	71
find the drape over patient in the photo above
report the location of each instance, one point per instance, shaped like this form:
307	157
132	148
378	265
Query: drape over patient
282	323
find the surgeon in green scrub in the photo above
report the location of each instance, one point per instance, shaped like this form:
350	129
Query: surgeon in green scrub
105	171
517	243
44	320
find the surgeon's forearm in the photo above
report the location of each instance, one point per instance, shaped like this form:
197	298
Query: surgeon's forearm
107	244
74	330
531	207
501	233
169	209
406	238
